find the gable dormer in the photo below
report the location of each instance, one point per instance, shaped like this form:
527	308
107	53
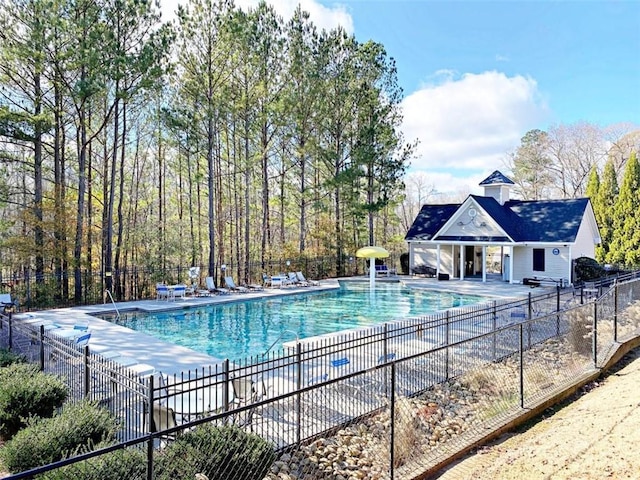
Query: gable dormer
497	186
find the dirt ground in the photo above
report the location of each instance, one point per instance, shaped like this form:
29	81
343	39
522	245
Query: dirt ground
594	435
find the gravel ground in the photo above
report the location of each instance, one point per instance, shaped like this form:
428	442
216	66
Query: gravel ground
594	435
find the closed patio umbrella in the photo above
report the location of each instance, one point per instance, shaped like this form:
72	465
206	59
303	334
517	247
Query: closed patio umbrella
372	253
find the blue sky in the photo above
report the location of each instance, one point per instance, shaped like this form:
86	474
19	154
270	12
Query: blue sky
477	75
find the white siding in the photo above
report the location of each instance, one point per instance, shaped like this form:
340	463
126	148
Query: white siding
427	254
556	266
585	246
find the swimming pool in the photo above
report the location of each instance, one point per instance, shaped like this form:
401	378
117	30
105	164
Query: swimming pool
247	328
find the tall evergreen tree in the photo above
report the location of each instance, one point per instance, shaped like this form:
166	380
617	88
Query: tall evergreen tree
603	206
625	244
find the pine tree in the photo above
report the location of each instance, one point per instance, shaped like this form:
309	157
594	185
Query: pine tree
625	245
603	203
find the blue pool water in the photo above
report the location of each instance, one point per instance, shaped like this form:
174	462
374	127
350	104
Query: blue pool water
247	328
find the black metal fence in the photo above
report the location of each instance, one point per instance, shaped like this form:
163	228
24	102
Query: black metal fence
385	402
50	290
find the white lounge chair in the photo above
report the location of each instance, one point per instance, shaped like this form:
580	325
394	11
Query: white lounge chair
308	282
231	285
293	278
211	286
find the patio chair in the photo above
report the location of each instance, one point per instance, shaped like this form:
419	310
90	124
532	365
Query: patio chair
231	285
293	278
308	282
164	418
9	306
179	291
83	340
162	292
211	286
266	280
255	287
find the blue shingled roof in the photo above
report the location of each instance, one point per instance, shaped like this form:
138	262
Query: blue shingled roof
555	221
496	178
430	219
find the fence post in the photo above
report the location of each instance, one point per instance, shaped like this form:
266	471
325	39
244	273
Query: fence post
615	309
298	387
521	352
149	415
495	325
85	361
446	358
595	334
384	342
10	333
225	390
41	349
392	406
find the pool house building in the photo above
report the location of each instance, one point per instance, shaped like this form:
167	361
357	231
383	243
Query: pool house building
524	241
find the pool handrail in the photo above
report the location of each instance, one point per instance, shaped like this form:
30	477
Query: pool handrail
280	338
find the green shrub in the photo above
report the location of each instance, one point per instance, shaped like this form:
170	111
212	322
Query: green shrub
127	464
217	452
77	428
7	357
26	392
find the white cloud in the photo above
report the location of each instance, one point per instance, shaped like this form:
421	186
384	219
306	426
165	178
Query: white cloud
322	16
468	124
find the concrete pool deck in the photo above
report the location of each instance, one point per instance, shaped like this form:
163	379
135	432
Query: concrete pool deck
169	358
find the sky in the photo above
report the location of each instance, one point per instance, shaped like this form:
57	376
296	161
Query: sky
477	75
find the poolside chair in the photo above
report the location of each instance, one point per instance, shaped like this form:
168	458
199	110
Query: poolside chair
266	280
164	418
179	291
8	306
293	278
162	292
255	287
308	282
83	340
211	286
231	285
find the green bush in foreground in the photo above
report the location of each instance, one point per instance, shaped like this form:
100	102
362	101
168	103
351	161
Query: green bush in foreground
26	392
77	428
127	464
7	357
217	452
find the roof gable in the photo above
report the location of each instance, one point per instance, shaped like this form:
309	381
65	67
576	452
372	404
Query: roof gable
472	223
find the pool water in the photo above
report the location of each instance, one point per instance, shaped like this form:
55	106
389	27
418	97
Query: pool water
248	328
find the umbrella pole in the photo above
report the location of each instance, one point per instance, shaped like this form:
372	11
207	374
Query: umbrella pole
372	273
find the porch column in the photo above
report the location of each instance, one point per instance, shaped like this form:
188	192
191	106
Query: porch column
410	258
461	262
437	260
511	262
484	263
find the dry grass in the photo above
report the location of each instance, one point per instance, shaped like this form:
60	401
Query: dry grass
408	435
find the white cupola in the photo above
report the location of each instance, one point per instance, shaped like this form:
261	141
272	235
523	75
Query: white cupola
497	186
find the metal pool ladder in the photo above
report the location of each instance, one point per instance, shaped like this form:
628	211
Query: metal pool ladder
278	339
113	303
